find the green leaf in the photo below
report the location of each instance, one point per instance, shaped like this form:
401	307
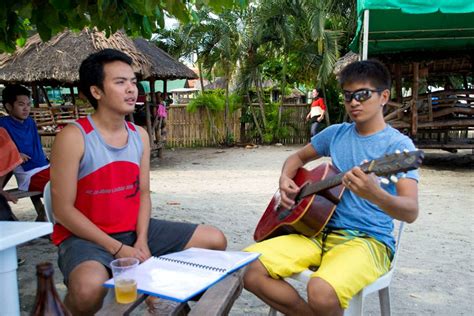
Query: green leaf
147	29
21	41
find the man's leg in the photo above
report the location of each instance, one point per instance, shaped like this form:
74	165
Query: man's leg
314	127
167	236
208	237
348	265
83	265
275	292
281	257
85	288
322	298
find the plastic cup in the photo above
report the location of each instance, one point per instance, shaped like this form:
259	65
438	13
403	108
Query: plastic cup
123	271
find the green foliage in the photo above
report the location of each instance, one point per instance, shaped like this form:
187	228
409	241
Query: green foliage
334	100
212	100
274	132
136	17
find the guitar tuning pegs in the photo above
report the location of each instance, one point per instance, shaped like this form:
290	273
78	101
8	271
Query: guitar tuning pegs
393	178
397	151
384	181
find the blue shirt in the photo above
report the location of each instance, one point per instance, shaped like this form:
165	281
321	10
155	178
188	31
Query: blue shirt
26	138
348	149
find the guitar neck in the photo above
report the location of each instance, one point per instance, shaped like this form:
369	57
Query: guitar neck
315	187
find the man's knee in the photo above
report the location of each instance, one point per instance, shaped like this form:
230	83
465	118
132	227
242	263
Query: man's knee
253	275
85	288
322	297
208	237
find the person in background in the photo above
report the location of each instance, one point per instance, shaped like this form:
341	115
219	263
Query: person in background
357	245
100	186
316	113
33	173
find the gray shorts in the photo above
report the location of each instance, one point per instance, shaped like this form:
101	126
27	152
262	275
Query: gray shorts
163	237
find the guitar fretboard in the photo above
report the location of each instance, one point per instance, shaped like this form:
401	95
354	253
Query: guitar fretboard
315	187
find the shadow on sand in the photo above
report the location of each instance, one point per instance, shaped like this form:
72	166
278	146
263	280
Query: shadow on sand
449	161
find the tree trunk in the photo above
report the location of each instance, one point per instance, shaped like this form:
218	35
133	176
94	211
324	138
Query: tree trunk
201	80
258	89
255	120
326	113
227	111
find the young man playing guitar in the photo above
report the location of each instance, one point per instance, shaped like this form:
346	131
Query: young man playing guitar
356	246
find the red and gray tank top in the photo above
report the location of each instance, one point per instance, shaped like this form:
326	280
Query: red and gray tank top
108	181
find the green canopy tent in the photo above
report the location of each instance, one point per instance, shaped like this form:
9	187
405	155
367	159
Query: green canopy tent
396	26
415	38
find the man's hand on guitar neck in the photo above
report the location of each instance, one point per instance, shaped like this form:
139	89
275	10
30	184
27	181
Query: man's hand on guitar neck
367	186
288	190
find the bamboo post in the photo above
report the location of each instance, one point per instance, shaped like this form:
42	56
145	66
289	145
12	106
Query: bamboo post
414	99
148	114
73	98
430	108
45	96
34	91
398	82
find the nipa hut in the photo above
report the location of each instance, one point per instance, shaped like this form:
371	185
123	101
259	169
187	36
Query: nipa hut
57	61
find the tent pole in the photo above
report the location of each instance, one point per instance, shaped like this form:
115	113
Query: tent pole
365	38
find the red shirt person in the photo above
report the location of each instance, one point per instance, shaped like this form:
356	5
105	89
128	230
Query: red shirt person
316	114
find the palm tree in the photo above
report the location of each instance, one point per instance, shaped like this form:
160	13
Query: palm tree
290	33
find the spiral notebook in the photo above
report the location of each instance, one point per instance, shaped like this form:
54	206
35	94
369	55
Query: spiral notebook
181	275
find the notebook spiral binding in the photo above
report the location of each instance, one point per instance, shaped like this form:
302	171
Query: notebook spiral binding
196	265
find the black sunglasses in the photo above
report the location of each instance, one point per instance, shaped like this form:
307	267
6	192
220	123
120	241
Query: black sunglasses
360	95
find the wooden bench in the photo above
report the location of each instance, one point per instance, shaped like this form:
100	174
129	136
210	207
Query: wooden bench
35	197
216	301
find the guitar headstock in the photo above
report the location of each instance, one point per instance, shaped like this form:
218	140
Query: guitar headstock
394	163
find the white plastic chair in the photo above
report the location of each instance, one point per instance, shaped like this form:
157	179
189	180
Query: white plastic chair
48	208
382	285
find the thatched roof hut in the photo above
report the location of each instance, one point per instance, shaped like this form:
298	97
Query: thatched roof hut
163	66
57	61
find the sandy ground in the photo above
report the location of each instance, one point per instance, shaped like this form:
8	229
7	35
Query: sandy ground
230	188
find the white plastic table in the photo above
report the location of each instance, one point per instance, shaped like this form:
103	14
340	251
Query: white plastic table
11	235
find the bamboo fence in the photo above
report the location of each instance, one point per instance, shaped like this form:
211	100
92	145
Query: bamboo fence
185	129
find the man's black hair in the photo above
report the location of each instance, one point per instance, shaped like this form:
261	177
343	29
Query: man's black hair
370	71
91	72
10	93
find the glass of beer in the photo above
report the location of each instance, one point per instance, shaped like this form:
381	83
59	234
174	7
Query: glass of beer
123	271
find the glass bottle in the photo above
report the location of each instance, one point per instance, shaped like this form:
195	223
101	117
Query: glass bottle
47	300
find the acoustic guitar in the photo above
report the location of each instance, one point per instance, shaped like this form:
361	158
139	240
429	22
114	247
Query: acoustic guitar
320	192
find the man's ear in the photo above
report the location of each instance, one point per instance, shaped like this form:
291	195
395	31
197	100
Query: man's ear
8	107
96	92
385	96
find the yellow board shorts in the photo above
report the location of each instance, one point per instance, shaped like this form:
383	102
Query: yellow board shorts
348	260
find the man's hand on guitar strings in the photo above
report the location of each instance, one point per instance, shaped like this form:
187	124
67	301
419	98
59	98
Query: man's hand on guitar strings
288	189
